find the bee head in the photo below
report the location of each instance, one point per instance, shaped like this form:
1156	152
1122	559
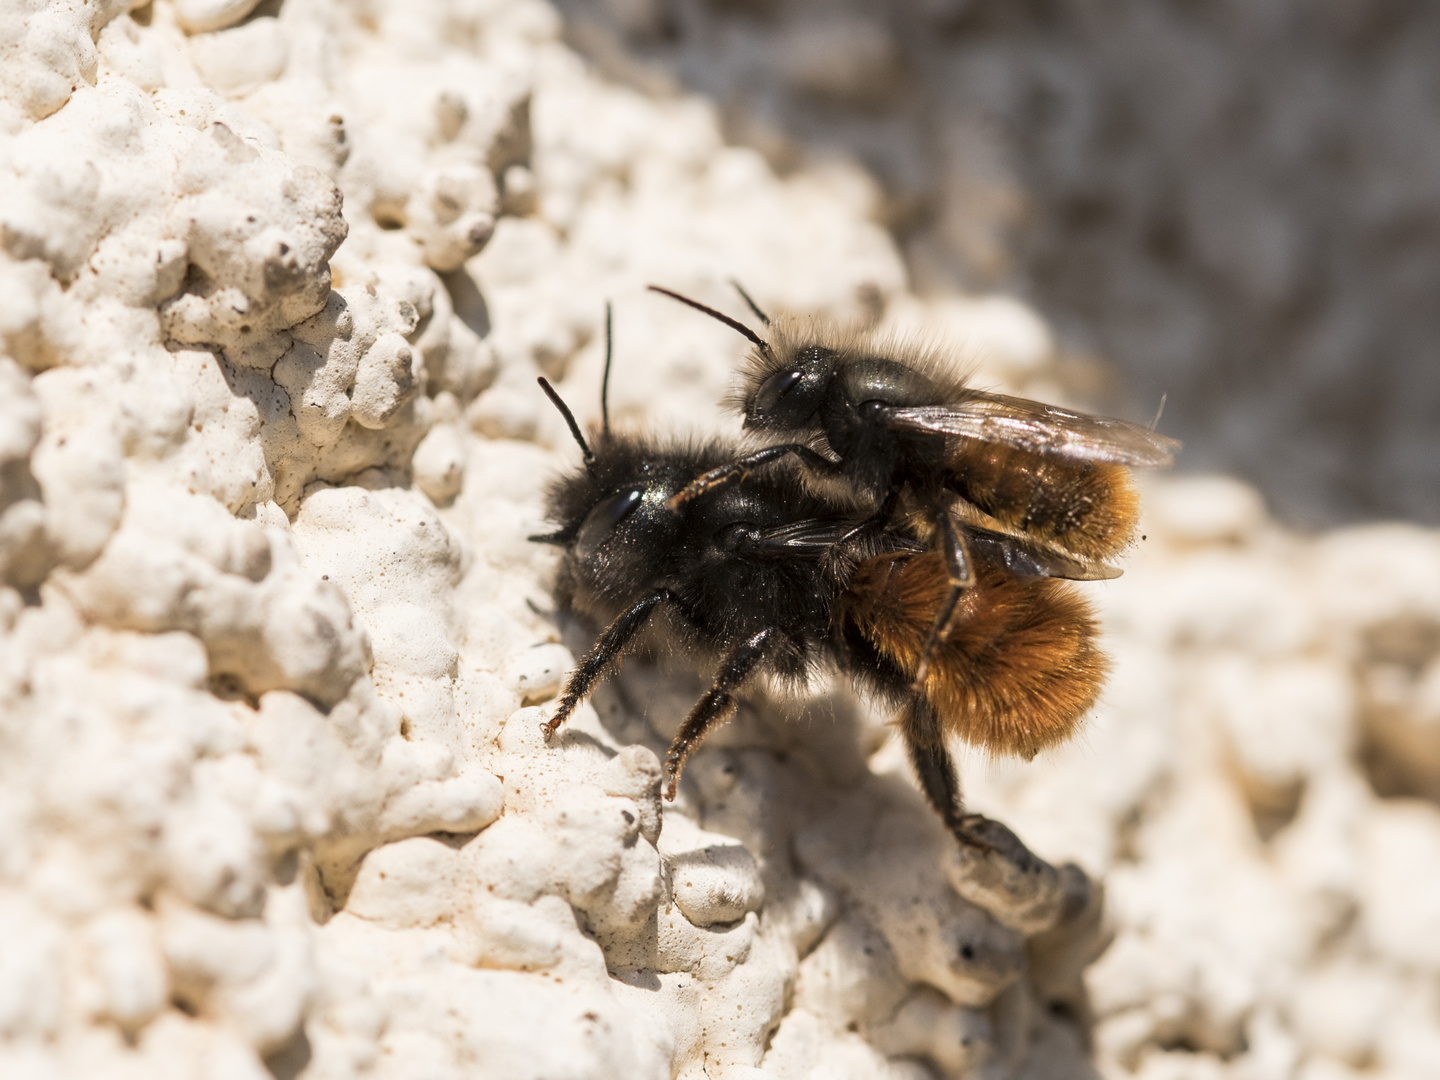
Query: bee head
614	526
617	496
790	390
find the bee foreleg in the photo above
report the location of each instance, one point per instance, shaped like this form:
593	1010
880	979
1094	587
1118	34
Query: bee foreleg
741	467
715	707
610	645
962	576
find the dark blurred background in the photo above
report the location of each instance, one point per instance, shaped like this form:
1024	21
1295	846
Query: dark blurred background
1233	202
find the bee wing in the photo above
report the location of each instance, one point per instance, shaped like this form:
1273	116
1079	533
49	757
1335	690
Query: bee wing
817	537
808	537
1040	429
1031	560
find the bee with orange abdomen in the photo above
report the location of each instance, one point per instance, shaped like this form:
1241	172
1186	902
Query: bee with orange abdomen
900	426
763	576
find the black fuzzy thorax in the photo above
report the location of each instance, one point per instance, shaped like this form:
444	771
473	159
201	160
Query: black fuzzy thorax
876	459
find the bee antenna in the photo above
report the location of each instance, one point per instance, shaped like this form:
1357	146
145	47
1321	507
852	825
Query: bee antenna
739	327
586	454
749	302
605	379
1159	412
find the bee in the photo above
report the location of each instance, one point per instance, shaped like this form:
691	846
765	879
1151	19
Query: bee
765	575
900	426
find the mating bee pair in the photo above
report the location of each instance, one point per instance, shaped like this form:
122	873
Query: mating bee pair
909	530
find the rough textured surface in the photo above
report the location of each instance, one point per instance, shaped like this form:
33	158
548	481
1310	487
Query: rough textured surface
1232	202
274	648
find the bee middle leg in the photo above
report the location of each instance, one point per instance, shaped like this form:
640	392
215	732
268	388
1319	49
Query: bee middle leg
962	575
715	707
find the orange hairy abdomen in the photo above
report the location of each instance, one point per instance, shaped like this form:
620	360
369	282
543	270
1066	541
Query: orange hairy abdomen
1019	665
1087	508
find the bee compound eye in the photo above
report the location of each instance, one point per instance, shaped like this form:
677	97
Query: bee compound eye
602	521
776	387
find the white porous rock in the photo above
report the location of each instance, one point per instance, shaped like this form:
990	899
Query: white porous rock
25	557
938	938
196	16
275	286
48	52
439	463
236	60
260	232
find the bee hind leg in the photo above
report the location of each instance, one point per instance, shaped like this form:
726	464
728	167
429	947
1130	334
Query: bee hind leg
940	777
962	575
718	704
934	765
1001	874
989	836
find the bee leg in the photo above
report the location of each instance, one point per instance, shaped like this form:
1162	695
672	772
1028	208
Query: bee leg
875	520
986	836
715	707
934	765
962	576
612	642
741	467
939	776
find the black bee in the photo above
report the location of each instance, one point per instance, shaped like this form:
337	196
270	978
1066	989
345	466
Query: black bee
765	575
900	427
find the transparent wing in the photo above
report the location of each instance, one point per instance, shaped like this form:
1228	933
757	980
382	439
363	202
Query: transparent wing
809	537
1031	560
1040	429
815	538
818	537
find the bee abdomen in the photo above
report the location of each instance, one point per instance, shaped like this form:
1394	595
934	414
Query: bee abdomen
1087	508
1019	666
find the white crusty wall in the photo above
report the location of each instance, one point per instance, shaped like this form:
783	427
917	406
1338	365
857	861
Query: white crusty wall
275	285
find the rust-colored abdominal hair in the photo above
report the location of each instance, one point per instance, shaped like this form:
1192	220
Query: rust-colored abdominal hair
1019	665
1084	507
